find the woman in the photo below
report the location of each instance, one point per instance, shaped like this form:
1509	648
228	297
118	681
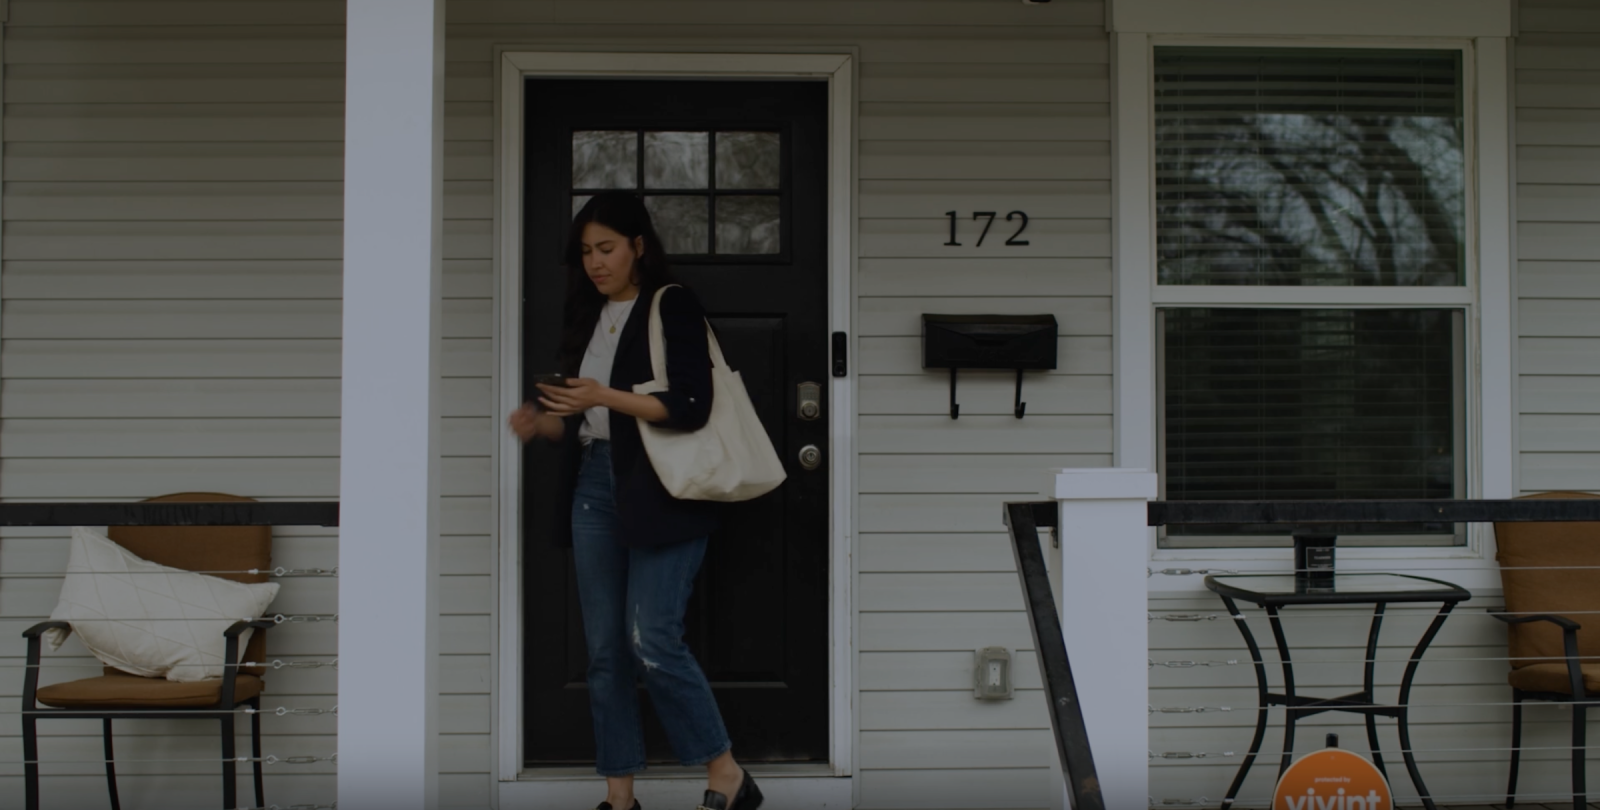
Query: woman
637	548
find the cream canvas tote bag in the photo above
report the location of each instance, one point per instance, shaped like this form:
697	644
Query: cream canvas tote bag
731	458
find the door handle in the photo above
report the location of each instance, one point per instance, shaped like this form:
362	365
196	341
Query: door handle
810	457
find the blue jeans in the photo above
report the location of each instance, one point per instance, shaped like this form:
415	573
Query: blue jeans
633	602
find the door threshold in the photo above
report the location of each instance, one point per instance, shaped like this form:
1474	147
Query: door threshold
809	786
761	770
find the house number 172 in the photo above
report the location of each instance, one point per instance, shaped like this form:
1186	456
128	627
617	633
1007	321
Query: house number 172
988	217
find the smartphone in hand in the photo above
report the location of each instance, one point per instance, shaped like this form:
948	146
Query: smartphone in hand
552	380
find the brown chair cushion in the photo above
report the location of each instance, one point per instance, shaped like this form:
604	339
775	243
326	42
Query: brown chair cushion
206	549
123	691
1553	678
1558	590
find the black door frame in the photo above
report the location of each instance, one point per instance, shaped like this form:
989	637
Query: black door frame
512	68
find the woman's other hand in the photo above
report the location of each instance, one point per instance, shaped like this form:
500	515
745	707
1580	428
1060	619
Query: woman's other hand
528	422
578	395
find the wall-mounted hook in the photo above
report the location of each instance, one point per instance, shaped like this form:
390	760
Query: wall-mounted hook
955	410
1018	407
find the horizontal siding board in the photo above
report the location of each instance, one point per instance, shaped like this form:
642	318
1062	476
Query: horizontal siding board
1559	394
937	671
902	356
1076	316
1044	199
982	160
965	789
772	13
209	279
199	399
940	750
208	320
1560	50
985	434
1544	203
900	552
936	632
986	122
903	711
1558	127
1558	280
123	359
968	473
1559	165
966	591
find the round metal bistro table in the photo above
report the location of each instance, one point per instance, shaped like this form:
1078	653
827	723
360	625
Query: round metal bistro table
1273	592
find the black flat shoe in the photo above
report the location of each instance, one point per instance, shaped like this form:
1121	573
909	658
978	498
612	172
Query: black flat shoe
607	805
748	798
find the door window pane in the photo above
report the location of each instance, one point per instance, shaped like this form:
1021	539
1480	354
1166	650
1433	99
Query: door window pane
683	223
678	160
748	160
748	225
605	159
1310	166
1312	404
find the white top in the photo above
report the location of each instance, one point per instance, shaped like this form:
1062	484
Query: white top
597	362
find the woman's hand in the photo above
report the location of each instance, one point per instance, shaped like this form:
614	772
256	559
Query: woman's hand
528	422
581	394
578	395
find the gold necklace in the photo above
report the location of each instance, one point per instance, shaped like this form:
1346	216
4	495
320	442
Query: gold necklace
616	319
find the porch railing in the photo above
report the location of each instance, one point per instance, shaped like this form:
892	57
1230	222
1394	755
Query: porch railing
1024	520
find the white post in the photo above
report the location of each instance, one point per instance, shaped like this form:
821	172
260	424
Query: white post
388	477
1103	609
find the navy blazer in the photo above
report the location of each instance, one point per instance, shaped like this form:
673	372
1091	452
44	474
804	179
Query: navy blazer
646	514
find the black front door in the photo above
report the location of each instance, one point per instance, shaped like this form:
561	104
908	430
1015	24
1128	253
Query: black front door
734	174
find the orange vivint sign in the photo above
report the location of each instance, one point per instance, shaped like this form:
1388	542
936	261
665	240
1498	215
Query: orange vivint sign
1332	779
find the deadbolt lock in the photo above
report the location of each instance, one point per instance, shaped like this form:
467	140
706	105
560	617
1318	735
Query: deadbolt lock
810	401
810	457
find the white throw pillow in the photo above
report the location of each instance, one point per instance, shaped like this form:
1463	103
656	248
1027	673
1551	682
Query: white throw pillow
149	619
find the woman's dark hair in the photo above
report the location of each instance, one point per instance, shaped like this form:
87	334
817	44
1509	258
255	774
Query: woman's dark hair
623	212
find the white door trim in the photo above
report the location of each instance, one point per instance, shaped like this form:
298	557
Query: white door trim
513	68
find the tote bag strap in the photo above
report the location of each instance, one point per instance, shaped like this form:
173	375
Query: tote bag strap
658	340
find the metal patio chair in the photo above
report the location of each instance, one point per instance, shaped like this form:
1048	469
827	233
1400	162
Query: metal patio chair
119	695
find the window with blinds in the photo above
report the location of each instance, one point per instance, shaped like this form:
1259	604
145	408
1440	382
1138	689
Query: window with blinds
1309	167
1312	404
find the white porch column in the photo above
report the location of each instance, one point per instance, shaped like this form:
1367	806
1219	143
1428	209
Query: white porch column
1103	602
388	476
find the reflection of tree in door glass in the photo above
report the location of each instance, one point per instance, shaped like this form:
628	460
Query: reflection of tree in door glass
605	159
676	159
747	225
1310	167
682	223
748	160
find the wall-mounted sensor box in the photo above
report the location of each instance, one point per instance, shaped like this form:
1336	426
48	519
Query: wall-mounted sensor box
991	674
989	341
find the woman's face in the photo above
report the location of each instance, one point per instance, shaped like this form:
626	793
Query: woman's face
608	258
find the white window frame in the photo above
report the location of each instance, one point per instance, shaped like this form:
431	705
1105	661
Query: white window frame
1487	297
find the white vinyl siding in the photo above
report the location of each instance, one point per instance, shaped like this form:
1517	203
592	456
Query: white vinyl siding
1557	137
1558	245
171	293
171	322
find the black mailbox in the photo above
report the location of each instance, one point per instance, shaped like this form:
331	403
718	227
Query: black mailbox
990	342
